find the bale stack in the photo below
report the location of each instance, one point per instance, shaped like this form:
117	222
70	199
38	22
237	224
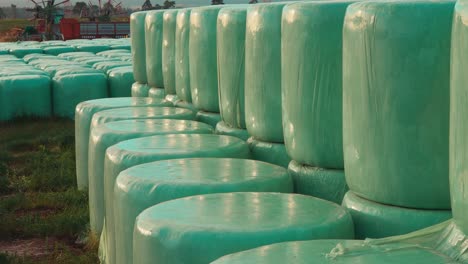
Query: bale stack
153	41
137	28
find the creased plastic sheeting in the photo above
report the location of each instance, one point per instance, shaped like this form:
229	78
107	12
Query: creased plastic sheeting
329	252
312	83
107	134
20	52
223	129
58	50
203	62
105	66
140	89
83	115
269	152
143	150
263	72
374	220
24	95
137	31
323	183
215	225
182	67
120	82
231	60
93	48
71	89
153	39
458	112
396	64
168	50
157	93
211	119
186	105
143	186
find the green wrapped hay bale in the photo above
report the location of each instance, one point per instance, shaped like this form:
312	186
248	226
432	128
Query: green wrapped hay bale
137	31
129	153
139	89
153	41
375	220
396	64
203	58
109	132
231	59
56	50
263	72
211	119
21	51
214	225
182	66
120	81
312	83
71	55
224	129
269	152
157	93
76	70
15	71
105	66
168	50
143	186
94	48
35	56
69	90
24	95
335	252
185	104
322	183
84	113
121	46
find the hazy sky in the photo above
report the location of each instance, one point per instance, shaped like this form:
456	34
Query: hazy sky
128	3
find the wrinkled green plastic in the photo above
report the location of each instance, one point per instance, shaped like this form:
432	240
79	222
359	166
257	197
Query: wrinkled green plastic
92	48
105	66
263	72
203	61
182	67
331	251
24	95
137	31
70	55
396	62
231	60
109	132
84	113
223	129
14	71
375	220
153	39
185	104
145	185
269	152
312	83
140	89
327	184
20	52
172	98
168	50
211	119
157	93
58	50
120	82
77	70
70	90
214	225
458	111
143	150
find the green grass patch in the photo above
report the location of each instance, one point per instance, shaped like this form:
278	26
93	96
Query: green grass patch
7	24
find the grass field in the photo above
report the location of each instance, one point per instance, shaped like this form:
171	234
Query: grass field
44	219
7	24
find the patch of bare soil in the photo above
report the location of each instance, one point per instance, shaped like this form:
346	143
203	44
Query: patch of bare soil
35	247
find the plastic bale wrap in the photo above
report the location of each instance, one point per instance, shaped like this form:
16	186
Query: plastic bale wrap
396	63
153	39
182	67
24	95
109	133
223	129
269	152
312	83
375	220
56	50
71	89
95	48
106	66
143	186
20	51
168	50
120	82
327	184
140	89
129	153
263	72
214	225
211	119
157	93
172	98
185	104
203	58
83	115
71	55
231	59
137	31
